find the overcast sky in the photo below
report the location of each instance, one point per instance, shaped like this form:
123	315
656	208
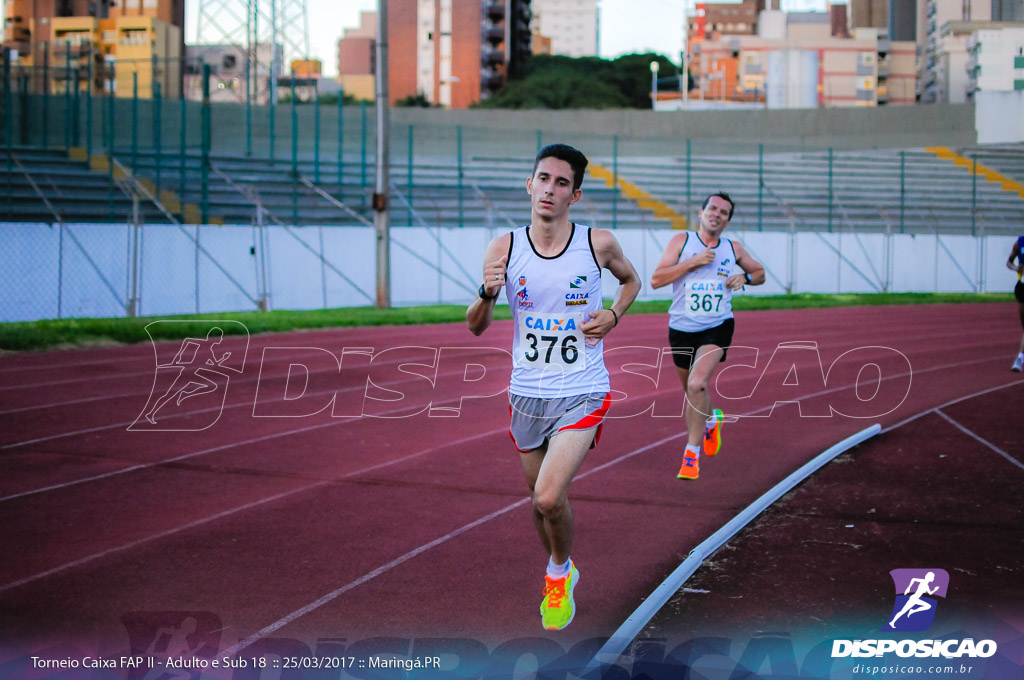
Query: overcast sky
626	25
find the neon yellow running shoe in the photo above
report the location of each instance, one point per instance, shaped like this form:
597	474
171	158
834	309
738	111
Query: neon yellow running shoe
713	435
558	607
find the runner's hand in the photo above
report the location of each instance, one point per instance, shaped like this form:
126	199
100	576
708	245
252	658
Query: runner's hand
601	321
703	259
736	281
494	275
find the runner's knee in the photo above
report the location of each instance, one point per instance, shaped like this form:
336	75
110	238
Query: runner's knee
696	387
550	505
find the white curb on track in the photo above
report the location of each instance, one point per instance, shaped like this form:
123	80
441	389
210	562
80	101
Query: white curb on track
631	627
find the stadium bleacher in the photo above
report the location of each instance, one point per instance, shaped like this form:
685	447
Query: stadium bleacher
911	190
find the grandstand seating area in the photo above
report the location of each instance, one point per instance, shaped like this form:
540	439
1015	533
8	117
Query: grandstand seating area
913	191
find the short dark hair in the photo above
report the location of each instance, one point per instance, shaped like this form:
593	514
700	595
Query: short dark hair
725	197
563	152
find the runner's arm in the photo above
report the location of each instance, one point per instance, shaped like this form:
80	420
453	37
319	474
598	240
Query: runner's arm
610	256
480	313
669	267
749	266
1015	254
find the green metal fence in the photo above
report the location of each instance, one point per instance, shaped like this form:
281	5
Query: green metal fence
455	174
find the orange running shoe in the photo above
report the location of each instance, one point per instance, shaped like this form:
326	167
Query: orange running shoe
690	468
558	607
713	435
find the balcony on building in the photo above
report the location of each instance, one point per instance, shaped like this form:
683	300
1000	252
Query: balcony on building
491	80
495	10
493	34
492	56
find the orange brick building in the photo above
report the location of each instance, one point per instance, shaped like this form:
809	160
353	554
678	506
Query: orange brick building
29	22
453	52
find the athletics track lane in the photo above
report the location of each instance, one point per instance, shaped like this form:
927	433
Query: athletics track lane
144	539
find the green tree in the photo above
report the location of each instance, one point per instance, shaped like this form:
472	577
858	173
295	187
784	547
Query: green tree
557	90
559	82
416	100
285	97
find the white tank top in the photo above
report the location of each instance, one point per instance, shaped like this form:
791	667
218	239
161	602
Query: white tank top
550	297
700	299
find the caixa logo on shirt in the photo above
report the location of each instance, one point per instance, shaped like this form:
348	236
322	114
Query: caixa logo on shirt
542	323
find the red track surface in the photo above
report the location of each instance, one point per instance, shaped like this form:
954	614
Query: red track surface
316	527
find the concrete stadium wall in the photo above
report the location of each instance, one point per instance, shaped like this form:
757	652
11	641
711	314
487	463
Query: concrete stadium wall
1000	117
85	270
645	132
503	134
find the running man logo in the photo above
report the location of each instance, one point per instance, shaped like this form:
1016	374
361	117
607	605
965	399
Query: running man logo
187	639
914	609
191	376
578	282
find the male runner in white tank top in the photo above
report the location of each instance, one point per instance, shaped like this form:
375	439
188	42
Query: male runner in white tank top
699	266
559	387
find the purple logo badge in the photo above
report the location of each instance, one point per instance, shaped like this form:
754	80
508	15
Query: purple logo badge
916	590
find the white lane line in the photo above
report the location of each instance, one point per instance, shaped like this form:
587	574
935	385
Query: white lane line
225	407
247	506
254	351
949	403
384	568
245	379
984	441
193	454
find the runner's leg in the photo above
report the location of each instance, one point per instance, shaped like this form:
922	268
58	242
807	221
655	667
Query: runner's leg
566	452
698	399
532	461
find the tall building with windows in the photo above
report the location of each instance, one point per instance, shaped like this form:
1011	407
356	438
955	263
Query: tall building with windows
713	20
127	46
709	23
1008	10
452	52
29	24
806	62
869	14
357	57
943	49
996	59
571	25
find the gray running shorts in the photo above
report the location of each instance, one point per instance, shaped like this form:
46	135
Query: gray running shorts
535	420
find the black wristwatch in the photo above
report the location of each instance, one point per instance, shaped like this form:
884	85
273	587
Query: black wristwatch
746	275
482	294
